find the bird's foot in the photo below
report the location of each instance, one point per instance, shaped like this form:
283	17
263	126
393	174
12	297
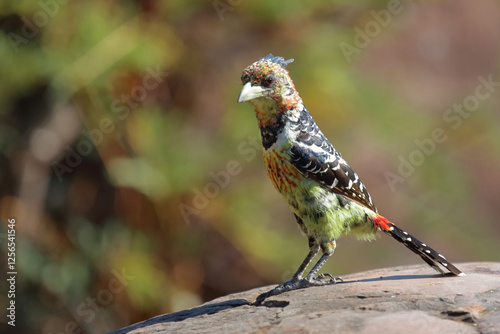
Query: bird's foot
326	279
296	284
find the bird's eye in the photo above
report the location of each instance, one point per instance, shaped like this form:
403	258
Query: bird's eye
268	81
245	78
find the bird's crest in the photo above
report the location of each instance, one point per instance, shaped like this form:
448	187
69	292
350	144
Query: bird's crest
277	60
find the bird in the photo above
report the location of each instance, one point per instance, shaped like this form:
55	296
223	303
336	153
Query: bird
325	195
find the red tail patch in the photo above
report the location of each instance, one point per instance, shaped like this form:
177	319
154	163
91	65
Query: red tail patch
382	223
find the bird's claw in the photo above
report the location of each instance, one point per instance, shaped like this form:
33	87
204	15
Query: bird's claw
332	279
296	284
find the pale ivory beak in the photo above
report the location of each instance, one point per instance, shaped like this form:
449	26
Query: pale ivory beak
249	92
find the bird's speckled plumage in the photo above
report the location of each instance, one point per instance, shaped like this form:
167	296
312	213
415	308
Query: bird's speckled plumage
325	194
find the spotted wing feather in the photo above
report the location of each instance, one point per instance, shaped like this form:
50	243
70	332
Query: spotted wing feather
315	157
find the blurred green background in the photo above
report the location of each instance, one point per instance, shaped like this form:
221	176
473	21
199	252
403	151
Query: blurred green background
136	180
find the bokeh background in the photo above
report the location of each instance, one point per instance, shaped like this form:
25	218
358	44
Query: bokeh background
136	180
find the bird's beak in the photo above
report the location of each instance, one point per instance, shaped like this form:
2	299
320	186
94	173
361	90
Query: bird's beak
249	92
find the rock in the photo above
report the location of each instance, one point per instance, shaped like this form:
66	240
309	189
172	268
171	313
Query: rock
396	300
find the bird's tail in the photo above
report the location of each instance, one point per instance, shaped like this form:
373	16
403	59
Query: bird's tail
429	255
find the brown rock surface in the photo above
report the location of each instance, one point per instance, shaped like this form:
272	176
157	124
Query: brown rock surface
395	300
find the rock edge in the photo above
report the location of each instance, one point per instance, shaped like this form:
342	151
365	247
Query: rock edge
409	299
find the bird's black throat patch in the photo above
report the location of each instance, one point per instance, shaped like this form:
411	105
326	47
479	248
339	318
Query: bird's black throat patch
270	132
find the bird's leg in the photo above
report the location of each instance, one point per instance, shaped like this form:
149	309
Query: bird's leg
313	250
312	279
297	282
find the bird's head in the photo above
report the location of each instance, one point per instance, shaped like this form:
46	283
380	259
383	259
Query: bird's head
269	88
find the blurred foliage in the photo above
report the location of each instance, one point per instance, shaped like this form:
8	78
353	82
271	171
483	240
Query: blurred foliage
135	178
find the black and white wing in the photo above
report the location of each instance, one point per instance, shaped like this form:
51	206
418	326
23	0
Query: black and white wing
316	158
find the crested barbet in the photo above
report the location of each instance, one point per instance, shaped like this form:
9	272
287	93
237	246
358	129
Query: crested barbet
326	196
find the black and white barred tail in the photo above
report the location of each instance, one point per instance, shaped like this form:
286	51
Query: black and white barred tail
429	255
